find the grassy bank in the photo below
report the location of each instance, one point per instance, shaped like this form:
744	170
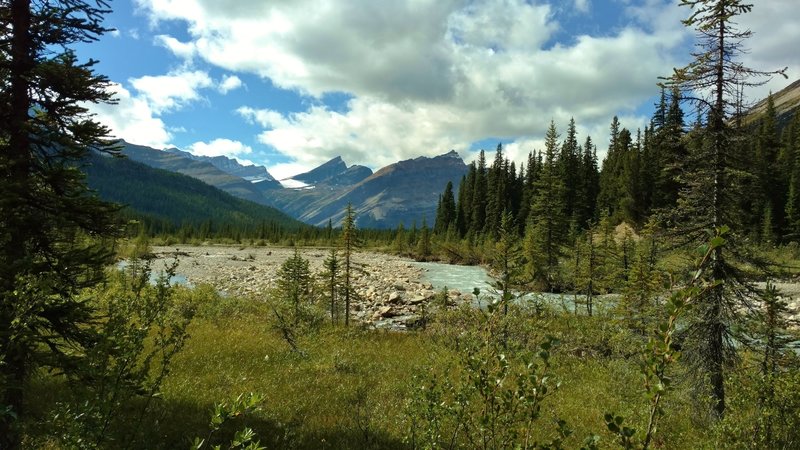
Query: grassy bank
354	388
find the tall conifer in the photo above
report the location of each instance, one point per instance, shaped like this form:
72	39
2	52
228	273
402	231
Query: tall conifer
714	76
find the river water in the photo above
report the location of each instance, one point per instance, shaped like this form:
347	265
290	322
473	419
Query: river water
467	278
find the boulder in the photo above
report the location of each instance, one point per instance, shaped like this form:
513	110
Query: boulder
395	297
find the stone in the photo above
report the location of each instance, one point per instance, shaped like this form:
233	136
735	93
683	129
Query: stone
383	312
395	297
417	299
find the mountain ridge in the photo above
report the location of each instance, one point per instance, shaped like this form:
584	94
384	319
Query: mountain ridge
403	192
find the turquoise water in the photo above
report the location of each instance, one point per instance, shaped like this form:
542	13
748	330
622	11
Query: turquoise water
467	278
463	278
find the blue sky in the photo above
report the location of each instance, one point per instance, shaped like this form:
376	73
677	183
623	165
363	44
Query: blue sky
291	84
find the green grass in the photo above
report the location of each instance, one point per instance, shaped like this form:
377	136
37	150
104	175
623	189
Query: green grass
350	387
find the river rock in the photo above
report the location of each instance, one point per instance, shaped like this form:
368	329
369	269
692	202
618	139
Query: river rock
395	297
383	312
417	299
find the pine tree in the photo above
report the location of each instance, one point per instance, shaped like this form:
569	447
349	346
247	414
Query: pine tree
546	231
506	260
331	278
399	243
464	205
294	283
589	179
478	215
51	226
569	168
793	196
423	249
772	187
705	202
611	171
528	188
445	211
668	152
496	198
642	286
350	242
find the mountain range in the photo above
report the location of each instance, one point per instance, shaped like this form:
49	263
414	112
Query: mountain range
174	198
405	192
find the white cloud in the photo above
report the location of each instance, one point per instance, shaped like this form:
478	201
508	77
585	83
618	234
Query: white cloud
229	83
183	50
172	91
220	147
426	76
582	6
132	119
283	171
774	27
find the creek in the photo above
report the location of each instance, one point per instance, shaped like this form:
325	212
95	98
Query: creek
467	278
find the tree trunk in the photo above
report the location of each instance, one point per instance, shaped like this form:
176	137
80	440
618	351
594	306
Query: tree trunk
13	368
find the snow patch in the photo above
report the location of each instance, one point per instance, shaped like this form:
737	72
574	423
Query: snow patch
295	184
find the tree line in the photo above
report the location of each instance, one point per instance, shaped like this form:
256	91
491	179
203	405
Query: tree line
562	190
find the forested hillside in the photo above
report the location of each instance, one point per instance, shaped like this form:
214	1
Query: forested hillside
170	202
564	188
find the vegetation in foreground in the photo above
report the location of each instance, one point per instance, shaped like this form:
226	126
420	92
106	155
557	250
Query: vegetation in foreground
536	377
136	365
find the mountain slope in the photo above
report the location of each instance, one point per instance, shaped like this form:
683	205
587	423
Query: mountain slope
334	172
202	170
174	197
786	102
254	174
403	192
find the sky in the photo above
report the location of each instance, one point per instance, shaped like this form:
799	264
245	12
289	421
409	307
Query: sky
291	84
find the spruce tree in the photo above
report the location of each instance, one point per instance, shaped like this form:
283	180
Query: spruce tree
772	187
445	211
294	283
478	215
464	205
424	247
670	153
569	163
350	242
546	232
331	278
51	226
793	197
496	198
713	78
611	172
588	188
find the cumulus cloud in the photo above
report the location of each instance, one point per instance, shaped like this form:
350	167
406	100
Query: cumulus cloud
183	50
229	83
132	119
220	147
425	76
223	147
774	26
172	91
